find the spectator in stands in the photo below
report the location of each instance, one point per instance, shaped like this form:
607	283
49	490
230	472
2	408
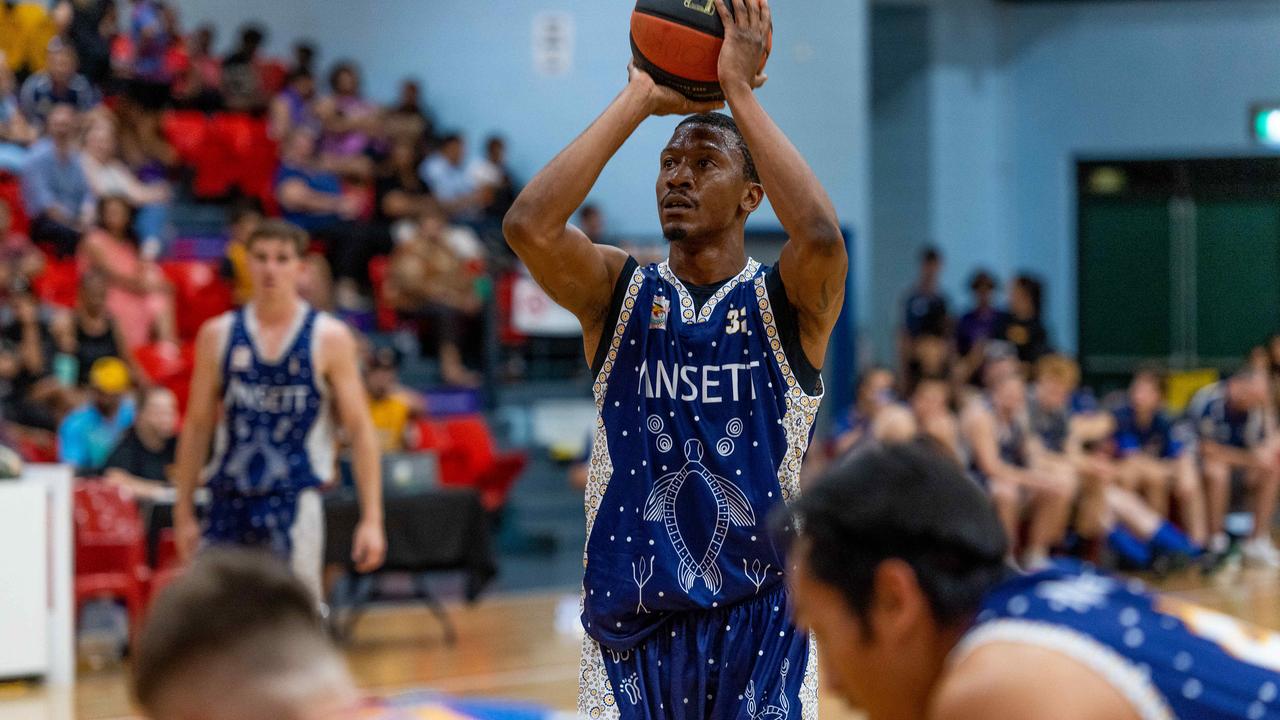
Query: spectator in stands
108	176
874	393
1003	450
351	124
139	296
20	260
141	460
926	306
399	194
91	31
1021	325
16	134
25	31
493	172
430	281
389	404
1235	444
240	638
59	84
243	217
977	326
591	223
92	332
59	200
930	358
294	106
455	183
931	405
87	436
33	397
1153	456
142	144
304	57
198	85
242	85
407	120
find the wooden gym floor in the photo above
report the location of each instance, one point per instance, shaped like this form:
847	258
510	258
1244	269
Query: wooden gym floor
509	648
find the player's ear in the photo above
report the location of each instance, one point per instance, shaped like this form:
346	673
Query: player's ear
899	605
752	197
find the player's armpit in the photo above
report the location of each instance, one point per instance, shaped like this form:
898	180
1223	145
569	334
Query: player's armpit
1008	681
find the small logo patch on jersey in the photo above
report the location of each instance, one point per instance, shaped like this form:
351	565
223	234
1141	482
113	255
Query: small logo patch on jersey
661	309
241	358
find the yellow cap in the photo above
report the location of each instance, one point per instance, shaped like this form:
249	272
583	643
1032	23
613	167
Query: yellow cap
109	375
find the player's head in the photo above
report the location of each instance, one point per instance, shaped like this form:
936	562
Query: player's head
1057	376
891	553
276	249
1146	390
707	180
237	637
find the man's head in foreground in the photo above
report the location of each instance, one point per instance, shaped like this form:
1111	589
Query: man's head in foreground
237	637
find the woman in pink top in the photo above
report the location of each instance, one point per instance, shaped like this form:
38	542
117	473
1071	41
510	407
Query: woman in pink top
138	294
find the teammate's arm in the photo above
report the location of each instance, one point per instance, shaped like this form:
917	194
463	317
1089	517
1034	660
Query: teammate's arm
578	274
814	261
197	433
338	348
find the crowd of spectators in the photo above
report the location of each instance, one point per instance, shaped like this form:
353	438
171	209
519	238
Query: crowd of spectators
97	181
1122	477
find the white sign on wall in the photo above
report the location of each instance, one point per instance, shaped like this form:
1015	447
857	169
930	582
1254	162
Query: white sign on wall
553	40
533	312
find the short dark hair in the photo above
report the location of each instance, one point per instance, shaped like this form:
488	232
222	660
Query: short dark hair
243	207
276	229
252	35
224	600
905	501
930	254
340	67
1034	289
450	137
983	278
727	125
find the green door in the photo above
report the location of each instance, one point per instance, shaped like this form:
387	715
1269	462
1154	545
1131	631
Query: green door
1237	277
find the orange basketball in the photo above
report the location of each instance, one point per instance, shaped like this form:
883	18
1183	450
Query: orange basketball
678	43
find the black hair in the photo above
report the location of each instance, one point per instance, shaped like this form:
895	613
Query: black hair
930	254
252	35
981	277
909	502
243	207
495	140
340	67
450	137
224	599
129	232
1034	289
727	125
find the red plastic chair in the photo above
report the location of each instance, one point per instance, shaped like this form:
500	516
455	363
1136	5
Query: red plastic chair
186	131
431	435
489	471
168	365
198	293
11	195
110	546
59	283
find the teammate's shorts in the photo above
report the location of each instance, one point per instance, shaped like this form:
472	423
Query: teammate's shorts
291	526
744	662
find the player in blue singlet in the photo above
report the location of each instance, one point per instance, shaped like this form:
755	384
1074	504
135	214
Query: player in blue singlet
898	571
267	380
706	385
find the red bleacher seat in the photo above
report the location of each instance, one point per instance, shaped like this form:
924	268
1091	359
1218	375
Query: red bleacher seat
489	471
186	130
378	268
11	195
168	365
198	293
59	283
431	435
110	548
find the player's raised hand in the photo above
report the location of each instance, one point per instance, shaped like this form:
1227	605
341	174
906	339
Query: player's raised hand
662	100
746	42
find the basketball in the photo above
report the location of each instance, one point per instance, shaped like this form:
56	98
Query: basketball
678	43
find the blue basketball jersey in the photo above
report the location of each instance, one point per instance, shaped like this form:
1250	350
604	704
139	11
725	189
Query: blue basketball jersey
701	429
1169	658
275	439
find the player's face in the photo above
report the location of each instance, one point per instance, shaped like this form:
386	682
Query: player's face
845	653
274	265
701	185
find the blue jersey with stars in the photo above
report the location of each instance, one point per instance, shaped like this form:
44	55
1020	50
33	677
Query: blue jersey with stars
275	438
701	429
1168	658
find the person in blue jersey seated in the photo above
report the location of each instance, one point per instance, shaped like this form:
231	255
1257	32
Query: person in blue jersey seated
897	568
706	384
274	379
1153	455
1236	445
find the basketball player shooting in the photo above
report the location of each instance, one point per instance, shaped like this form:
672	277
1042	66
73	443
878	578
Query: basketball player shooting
707	383
267	378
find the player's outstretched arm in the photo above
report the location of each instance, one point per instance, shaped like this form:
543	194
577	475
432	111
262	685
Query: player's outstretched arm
576	273
814	261
197	433
338	350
